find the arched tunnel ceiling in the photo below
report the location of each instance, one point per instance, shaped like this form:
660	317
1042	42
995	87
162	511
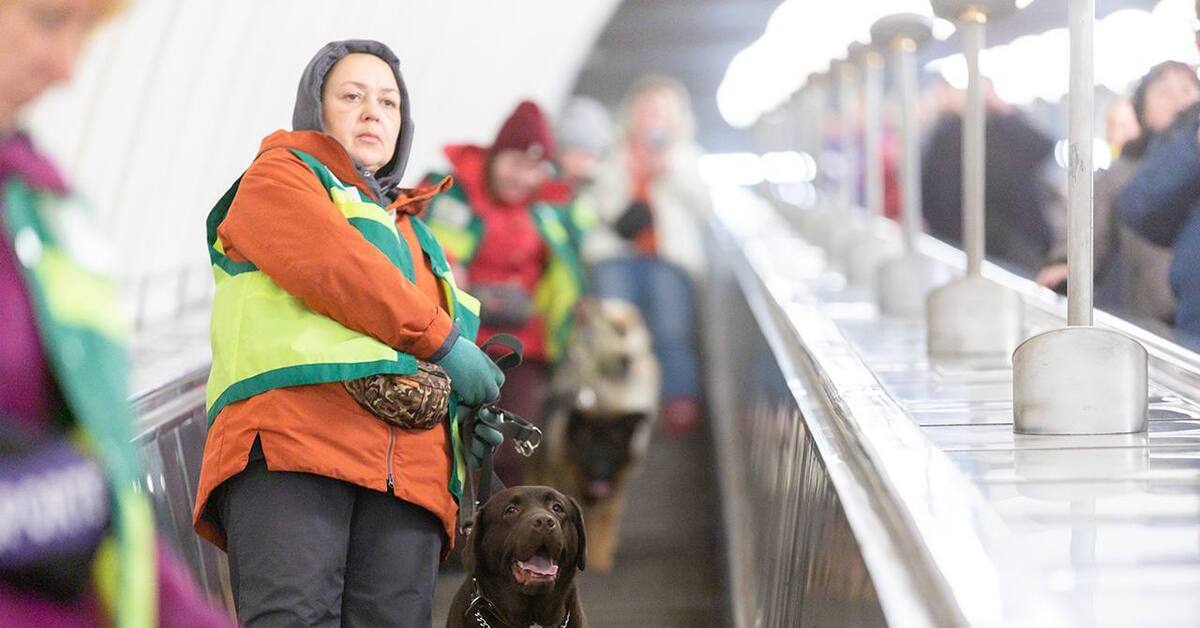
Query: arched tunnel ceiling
1038	17
694	40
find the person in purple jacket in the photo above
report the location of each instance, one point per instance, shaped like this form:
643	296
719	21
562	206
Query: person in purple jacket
77	542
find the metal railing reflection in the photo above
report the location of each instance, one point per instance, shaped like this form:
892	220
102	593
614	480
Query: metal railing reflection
793	557
170	437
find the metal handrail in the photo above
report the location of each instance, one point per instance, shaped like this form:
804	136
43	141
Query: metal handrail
912	591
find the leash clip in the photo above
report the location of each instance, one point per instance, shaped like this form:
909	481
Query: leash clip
527	445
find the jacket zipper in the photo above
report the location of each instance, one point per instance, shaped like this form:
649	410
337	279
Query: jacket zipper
391	479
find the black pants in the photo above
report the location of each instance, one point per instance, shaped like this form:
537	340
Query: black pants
306	550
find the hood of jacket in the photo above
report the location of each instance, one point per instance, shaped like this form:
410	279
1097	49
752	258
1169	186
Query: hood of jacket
306	116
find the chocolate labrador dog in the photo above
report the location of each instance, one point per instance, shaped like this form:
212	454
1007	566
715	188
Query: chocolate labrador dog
521	558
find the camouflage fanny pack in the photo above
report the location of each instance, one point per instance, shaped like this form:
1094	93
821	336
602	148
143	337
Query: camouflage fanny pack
419	401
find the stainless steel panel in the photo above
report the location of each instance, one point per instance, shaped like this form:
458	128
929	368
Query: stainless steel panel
170	439
795	558
1006	529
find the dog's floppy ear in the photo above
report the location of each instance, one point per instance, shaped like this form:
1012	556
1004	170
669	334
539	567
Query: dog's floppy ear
472	552
580	534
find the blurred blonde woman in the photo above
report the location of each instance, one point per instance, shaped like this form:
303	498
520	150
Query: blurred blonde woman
647	248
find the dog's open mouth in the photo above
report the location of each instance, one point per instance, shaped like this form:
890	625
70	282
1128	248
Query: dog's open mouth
537	569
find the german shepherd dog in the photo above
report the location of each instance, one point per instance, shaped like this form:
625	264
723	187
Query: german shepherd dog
603	412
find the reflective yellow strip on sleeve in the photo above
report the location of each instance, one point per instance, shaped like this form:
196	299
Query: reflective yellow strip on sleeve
352	206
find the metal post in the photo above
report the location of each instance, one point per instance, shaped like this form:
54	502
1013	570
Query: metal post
972	318
904	53
1080	379
821	103
1079	166
903	284
974	124
845	74
873	130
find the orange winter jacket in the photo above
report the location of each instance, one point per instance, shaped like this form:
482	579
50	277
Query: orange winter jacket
283	221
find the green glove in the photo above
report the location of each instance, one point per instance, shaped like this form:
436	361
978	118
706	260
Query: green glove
486	435
473	375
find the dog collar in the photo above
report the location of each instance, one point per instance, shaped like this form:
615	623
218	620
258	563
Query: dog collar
480	610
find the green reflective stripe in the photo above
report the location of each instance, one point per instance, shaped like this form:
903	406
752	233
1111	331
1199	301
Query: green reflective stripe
217	215
467	301
216	250
388	242
352	206
432	247
234	268
324	174
464	308
304	374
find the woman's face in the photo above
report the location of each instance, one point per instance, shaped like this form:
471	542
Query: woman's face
1171	93
515	176
653	118
1120	124
40	41
360	108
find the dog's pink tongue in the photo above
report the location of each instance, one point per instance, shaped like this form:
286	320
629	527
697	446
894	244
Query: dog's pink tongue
540	565
600	488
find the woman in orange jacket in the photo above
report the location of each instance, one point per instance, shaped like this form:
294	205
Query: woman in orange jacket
324	274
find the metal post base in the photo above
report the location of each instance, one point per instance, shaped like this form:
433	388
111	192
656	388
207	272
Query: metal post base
814	225
903	285
973	319
874	247
1080	380
844	232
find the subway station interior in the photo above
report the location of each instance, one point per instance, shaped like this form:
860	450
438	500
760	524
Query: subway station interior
727	313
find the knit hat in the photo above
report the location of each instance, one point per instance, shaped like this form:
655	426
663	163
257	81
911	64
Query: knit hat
526	130
585	124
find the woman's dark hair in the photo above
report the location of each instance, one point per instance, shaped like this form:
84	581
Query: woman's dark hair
1135	148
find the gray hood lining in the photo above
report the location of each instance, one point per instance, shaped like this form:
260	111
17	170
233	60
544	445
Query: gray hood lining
306	116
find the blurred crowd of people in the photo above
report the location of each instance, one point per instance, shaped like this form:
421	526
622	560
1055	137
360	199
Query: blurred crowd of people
1145	227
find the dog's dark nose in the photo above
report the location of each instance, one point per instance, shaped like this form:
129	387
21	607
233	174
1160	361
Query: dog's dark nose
544	522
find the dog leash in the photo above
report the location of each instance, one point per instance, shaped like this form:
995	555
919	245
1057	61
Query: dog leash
525	436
